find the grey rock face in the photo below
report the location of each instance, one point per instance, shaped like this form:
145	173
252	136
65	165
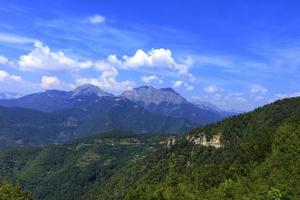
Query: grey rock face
150	95
89	89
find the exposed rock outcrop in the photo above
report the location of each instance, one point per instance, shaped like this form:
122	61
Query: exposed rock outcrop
201	139
171	142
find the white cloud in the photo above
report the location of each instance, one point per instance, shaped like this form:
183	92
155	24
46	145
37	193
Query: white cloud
15	78
258	89
151	78
211	89
107	80
179	83
5	76
155	59
9	38
3	59
49	82
97	19
42	58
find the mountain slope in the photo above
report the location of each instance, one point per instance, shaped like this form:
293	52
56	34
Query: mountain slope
45	101
212	108
251	156
69	171
122	114
163	101
147	95
258	159
88	89
167	102
52	100
22	126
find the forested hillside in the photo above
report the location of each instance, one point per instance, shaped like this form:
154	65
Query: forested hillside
27	127
70	171
259	159
251	156
9	191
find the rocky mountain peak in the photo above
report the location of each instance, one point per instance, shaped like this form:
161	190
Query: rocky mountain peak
150	95
89	89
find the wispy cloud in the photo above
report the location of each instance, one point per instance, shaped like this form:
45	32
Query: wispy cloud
10	38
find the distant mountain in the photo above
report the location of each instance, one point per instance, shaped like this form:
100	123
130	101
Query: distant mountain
88	89
52	100
147	95
206	105
23	126
164	101
56	116
108	113
211	107
167	102
9	95
44	101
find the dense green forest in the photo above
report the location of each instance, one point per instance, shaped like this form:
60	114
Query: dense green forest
68	171
259	159
27	127
9	191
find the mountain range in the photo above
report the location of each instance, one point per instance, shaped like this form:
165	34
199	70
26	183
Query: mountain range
56	116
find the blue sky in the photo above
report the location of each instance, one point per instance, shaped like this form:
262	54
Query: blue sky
234	54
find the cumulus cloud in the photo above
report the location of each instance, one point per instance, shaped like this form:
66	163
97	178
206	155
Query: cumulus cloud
179	83
258	89
5	76
151	78
42	58
107	80
3	59
49	82
211	89
97	19
155	59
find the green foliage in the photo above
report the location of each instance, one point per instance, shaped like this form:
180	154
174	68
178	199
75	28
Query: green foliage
26	127
70	171
13	192
260	160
